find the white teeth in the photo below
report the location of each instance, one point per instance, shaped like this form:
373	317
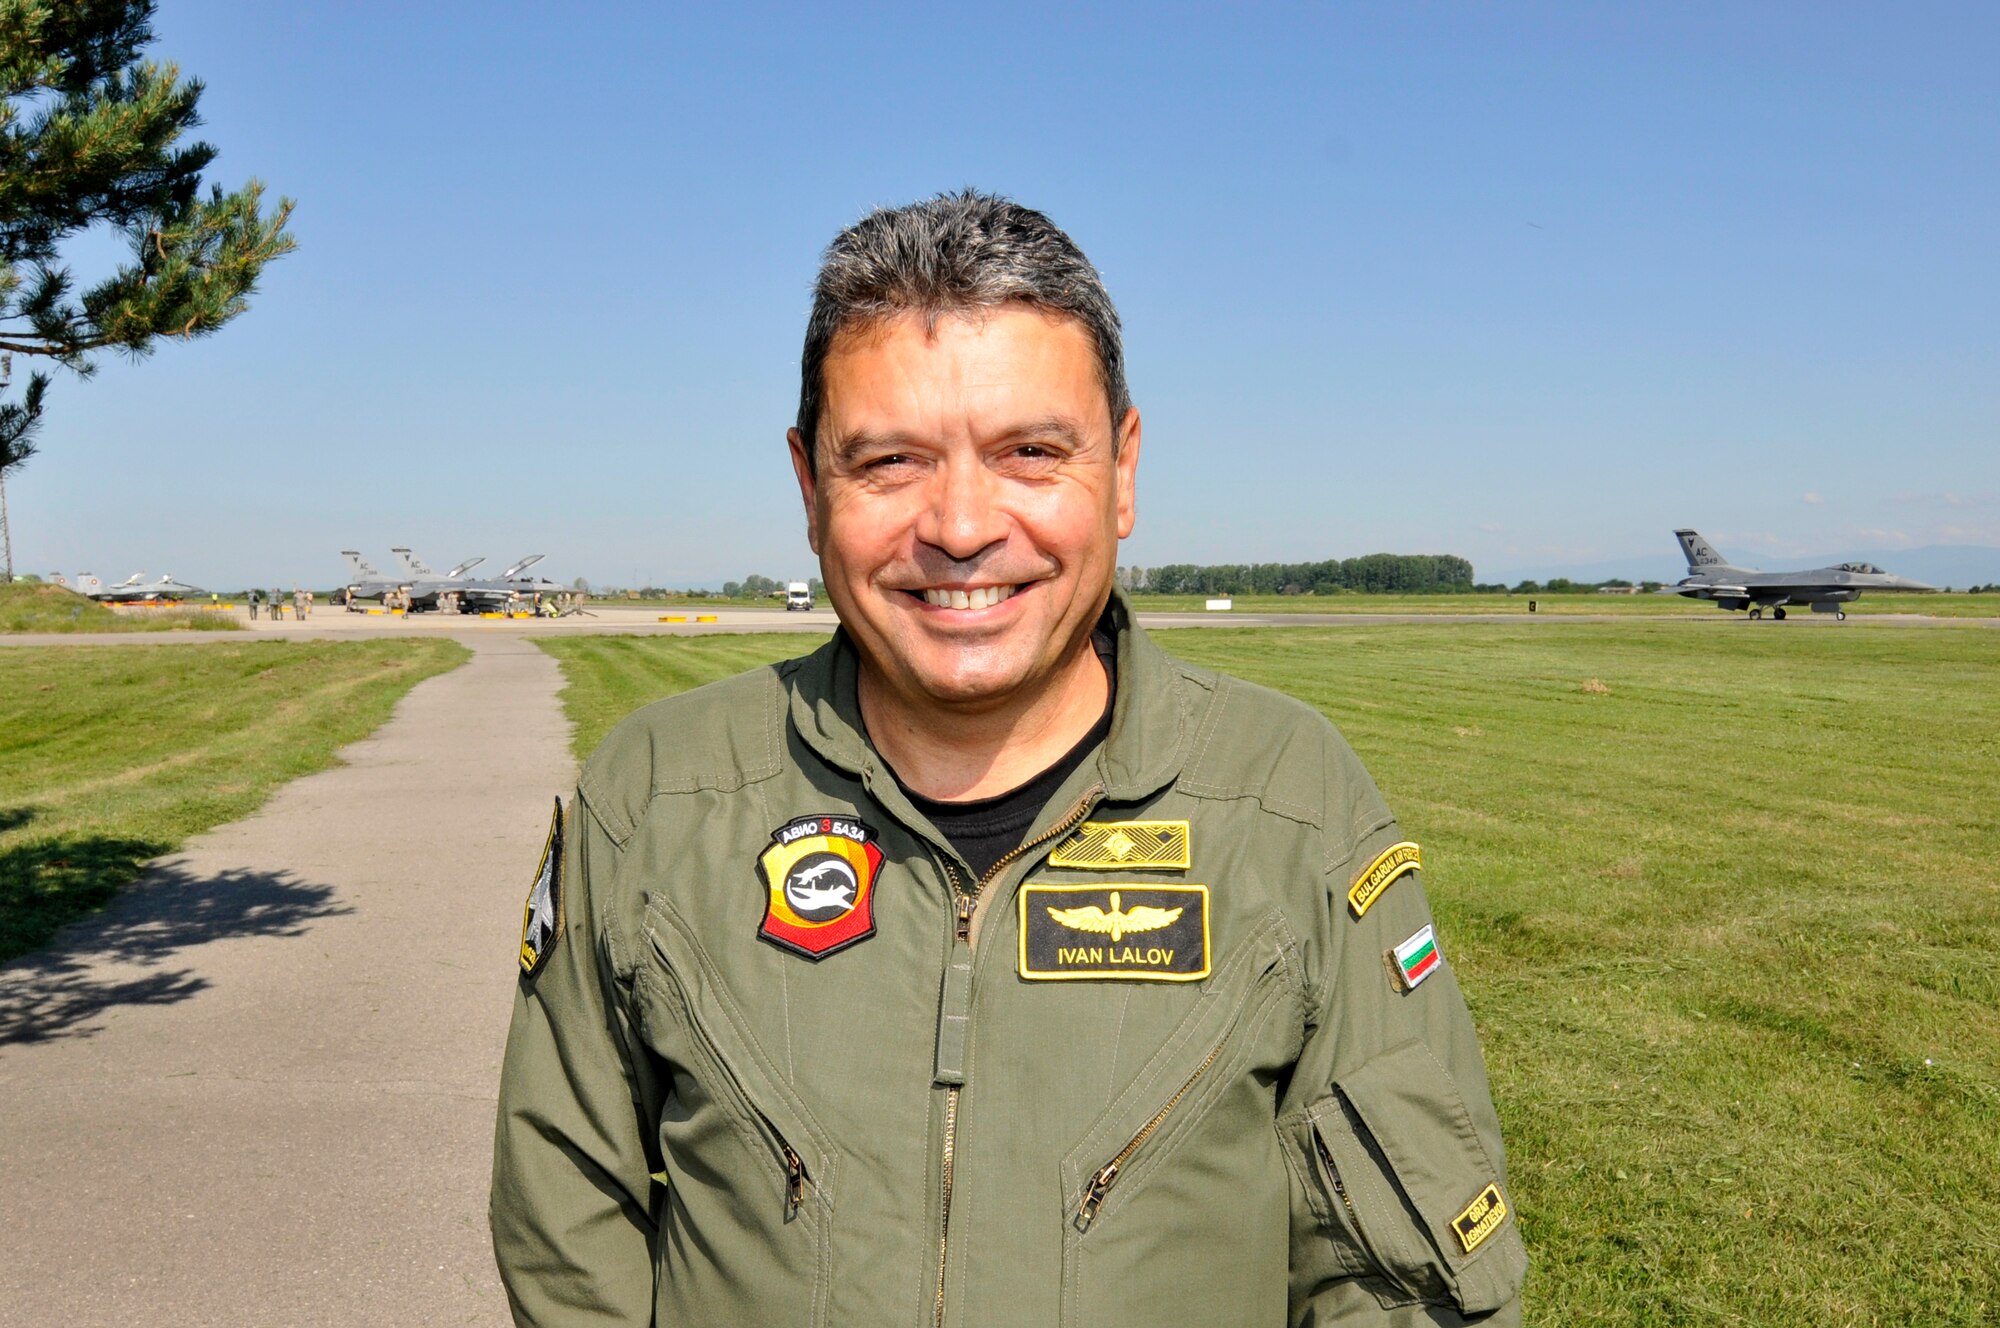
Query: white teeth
983	598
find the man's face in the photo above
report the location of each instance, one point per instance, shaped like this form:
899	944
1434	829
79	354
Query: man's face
968	505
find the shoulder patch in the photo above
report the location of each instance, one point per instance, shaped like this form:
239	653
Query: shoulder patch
1124	845
1136	931
542	918
1380	874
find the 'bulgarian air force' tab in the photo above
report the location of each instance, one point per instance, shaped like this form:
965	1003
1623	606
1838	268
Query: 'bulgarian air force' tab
1124	846
819	874
542	918
1135	931
1395	861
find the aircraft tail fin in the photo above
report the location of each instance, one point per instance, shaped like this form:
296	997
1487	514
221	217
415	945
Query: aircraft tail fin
1701	555
358	568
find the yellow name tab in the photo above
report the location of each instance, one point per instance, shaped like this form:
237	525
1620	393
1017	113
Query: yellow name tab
1123	845
1381	874
1481	1218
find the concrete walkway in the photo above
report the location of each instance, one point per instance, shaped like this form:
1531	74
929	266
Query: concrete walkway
260	1089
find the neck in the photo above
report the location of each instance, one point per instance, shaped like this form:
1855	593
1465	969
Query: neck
955	755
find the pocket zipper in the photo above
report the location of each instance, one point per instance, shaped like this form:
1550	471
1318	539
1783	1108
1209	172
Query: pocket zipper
796	1178
1339	1187
1107	1175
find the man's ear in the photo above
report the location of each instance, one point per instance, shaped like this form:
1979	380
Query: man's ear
808	485
1128	471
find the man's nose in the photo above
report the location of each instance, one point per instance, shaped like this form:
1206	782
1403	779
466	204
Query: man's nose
963	515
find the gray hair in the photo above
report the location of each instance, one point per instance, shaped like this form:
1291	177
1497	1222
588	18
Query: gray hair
946	255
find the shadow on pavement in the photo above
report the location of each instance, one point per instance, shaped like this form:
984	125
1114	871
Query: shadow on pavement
61	991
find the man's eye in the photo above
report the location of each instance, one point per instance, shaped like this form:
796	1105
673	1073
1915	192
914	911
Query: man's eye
889	462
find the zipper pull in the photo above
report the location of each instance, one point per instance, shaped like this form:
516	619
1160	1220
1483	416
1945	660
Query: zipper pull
966	903
1339	1187
795	1183
1093	1198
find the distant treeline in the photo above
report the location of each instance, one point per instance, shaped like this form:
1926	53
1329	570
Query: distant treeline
1372	573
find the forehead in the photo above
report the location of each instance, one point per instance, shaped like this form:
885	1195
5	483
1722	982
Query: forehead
999	355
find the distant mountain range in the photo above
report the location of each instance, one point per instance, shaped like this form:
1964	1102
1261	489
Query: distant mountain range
1957	565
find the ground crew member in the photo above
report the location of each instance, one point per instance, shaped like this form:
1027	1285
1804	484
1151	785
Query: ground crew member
986	966
256	600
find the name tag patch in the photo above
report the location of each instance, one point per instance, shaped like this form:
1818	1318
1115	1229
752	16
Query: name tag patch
1481	1218
1396	860
1134	931
1124	845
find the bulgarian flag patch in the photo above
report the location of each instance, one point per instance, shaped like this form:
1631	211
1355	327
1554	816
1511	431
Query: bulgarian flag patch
1415	959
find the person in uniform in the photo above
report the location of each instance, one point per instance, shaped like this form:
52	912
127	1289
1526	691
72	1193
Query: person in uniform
986	966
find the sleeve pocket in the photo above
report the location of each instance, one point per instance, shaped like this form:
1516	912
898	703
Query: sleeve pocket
1398	1177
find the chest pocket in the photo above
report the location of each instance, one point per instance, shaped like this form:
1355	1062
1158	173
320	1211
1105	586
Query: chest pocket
742	1152
1182	1171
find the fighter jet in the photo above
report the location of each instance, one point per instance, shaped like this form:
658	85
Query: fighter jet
364	582
450	592
135	590
1712	577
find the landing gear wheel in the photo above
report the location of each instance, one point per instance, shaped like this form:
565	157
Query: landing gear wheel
1779	614
1840	615
1756	614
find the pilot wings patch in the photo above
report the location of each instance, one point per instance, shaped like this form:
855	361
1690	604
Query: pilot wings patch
542	917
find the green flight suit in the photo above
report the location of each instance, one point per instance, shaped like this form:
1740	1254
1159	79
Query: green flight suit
702	1123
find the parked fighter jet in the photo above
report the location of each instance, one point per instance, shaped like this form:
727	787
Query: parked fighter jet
451	592
364	582
135	590
1711	577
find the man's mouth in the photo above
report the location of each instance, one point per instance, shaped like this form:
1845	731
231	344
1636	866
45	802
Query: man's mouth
983	597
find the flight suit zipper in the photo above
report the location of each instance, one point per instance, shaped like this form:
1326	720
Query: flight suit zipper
968	904
1107	1175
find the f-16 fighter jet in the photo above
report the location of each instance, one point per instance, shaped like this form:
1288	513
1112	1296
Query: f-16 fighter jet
1825	589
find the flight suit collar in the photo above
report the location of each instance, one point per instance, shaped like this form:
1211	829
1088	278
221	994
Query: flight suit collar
1151	716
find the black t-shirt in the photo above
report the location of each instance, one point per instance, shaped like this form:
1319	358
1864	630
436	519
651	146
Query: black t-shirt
988	829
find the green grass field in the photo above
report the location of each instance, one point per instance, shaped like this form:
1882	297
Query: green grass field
1563	605
40	608
110	755
1727	907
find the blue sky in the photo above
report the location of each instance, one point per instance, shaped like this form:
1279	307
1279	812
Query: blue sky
1528	283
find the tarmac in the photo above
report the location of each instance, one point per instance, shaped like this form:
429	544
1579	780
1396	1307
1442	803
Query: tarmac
259	1089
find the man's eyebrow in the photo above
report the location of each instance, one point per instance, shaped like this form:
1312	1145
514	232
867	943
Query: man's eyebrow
862	442
850	445
1052	426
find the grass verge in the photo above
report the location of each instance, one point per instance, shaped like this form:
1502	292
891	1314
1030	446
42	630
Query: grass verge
114	755
26	607
1727	909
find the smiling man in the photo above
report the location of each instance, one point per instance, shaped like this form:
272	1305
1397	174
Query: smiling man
987	966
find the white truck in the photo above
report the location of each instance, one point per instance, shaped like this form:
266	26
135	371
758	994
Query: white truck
798	595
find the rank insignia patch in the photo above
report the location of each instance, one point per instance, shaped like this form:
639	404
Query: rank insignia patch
1381	874
1124	845
819	874
542	918
1136	931
1415	959
1481	1218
